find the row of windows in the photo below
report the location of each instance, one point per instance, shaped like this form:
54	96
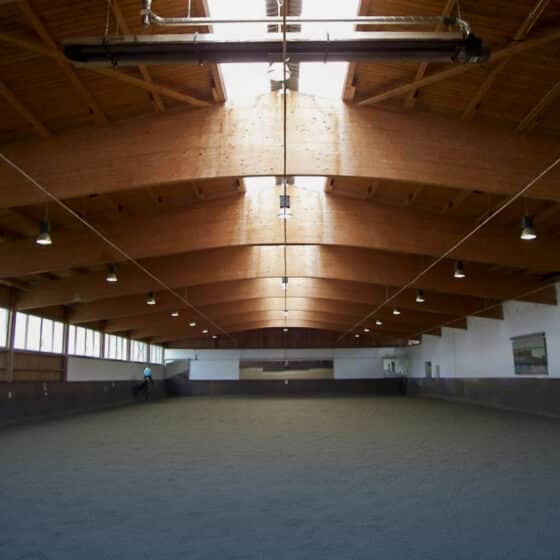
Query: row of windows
39	334
45	335
3	327
84	342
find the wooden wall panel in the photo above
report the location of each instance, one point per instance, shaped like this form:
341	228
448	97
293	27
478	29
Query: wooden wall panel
35	366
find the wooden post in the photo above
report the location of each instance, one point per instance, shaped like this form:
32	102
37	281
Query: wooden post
11	337
65	340
103	326
128	345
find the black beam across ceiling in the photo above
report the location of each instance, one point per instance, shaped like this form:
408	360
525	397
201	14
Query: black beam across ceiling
201	48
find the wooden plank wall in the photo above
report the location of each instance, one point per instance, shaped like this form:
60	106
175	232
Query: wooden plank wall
33	367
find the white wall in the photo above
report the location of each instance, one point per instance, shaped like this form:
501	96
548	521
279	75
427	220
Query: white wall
215	370
207	364
349	363
485	349
177	367
366	363
92	369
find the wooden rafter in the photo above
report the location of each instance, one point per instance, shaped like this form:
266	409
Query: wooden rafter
111	203
423	66
145	73
524	29
153	87
218	87
530	120
344	222
305	261
372	189
26	225
12	100
347	141
224	294
223	314
457	201
310	336
496	56
157	199
415	195
176	338
68	70
548	212
349	90
493	205
7	236
198	192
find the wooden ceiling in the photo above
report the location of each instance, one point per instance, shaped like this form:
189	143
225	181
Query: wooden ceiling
46	95
415	159
519	87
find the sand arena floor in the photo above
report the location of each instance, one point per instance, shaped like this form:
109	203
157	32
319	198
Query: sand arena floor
289	478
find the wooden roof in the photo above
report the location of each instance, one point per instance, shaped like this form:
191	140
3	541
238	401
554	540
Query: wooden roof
417	156
61	97
505	92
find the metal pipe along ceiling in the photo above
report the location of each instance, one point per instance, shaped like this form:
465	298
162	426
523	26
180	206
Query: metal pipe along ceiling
150	18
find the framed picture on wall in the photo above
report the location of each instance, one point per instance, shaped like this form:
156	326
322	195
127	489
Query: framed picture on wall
395	366
529	354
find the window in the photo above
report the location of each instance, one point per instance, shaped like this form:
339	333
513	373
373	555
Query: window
116	347
156	354
255	185
310	183
4	318
529	354
242	81
316	78
138	351
246	81
84	342
395	366
38	334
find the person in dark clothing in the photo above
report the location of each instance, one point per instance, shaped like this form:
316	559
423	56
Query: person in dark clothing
146	385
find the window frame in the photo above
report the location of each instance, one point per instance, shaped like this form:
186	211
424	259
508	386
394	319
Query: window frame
134	346
160	351
29	318
5	330
76	339
517	365
121	346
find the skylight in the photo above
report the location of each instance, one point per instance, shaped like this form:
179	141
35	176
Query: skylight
311	183
326	80
256	184
244	82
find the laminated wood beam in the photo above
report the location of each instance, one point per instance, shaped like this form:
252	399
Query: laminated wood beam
220	141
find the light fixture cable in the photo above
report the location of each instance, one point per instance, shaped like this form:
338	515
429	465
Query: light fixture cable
111	244
455	246
492	306
282	6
